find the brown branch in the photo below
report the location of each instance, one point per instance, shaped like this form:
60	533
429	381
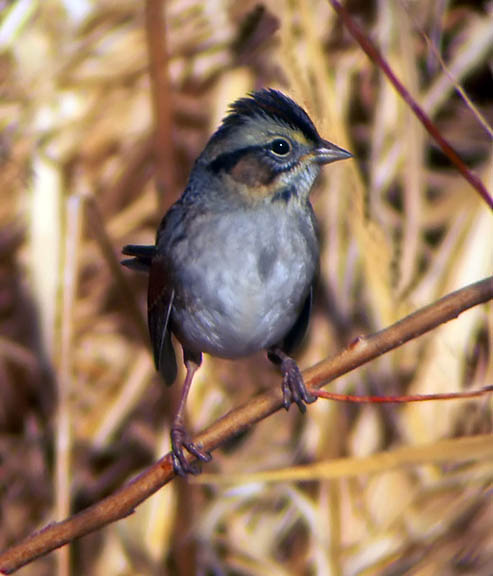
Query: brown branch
374	54
124	501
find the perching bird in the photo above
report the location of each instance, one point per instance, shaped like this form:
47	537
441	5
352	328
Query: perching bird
235	257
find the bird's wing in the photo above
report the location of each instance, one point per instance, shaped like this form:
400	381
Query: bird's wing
160	298
295	336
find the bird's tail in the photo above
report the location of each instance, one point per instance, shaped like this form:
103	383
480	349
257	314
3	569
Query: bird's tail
142	256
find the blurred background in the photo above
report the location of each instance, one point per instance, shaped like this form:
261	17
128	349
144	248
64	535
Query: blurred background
103	108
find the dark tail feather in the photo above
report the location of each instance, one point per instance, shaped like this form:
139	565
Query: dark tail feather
142	256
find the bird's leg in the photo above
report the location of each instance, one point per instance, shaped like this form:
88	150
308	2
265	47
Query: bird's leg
293	387
180	438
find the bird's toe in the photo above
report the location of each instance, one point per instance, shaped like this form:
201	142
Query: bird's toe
180	441
293	386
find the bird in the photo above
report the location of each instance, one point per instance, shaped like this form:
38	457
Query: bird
235	259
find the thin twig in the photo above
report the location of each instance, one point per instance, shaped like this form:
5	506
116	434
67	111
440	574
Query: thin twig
63	430
123	502
402	398
375	55
446	70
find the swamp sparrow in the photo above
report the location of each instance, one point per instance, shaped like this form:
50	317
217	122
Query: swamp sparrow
235	257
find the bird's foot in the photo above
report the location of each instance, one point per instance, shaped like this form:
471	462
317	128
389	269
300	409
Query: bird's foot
293	387
180	440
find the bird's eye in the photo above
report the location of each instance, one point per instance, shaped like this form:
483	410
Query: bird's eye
280	147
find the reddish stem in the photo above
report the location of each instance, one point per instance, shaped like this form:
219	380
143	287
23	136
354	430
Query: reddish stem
374	54
401	399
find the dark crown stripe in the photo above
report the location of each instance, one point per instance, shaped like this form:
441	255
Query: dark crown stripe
273	104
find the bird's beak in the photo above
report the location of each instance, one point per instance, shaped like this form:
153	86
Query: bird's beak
326	152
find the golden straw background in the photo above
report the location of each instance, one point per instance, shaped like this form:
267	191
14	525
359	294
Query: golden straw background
102	113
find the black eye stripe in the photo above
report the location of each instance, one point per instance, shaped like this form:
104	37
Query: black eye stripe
227	160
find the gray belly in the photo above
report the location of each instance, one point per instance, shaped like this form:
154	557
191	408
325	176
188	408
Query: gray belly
243	289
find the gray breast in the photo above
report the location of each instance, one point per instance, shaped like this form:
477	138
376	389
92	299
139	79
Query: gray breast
242	279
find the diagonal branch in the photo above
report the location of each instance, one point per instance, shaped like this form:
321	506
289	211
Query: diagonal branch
123	502
374	54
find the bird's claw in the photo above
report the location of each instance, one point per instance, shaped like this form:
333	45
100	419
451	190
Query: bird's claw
293	386
180	440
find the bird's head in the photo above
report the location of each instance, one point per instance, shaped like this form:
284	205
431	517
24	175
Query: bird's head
267	149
